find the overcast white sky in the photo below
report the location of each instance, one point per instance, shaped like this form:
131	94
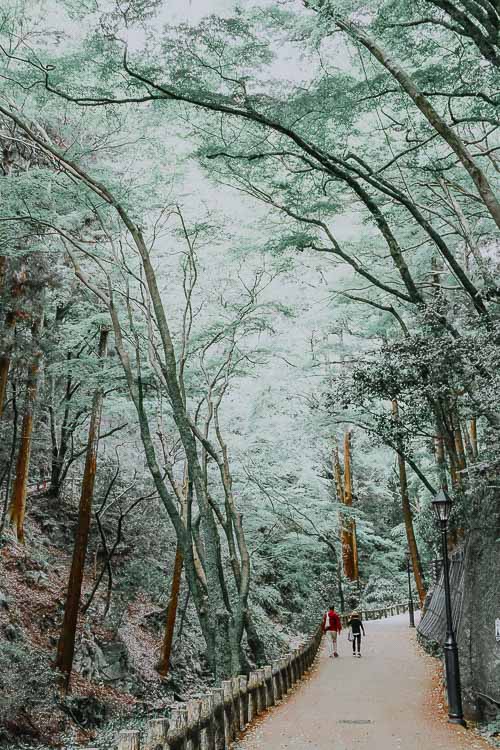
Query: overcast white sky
194	10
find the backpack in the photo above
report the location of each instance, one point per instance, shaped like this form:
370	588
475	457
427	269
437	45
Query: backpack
330	620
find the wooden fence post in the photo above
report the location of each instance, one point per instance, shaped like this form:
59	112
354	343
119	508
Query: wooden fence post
177	731
243	701
235	681
268	680
129	740
296	658
289	669
227	687
262	690
157	734
303	659
252	696
278	689
284	675
208	722
293	667
220	734
193	725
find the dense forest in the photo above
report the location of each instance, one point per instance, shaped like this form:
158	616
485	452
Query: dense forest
250	324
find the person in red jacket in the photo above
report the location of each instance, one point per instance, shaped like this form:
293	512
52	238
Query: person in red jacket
332	626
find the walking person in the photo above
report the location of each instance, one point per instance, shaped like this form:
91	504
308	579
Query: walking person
356	625
332	626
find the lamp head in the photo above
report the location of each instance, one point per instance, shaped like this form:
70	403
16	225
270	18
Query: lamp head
442	504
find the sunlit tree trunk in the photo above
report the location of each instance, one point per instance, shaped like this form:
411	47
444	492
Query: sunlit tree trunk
166	650
408	517
345	533
17	509
349	554
66	645
473	437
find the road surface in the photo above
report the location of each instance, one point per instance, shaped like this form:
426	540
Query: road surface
389	699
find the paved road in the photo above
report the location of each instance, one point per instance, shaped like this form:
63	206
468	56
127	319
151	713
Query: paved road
384	701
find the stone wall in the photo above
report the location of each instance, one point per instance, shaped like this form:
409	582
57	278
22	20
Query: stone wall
479	650
475	589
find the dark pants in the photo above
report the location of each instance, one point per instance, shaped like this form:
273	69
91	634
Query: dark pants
356	639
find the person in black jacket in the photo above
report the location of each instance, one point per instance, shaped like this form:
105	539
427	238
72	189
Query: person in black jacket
356	625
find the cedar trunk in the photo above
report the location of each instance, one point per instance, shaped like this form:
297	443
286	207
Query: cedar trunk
349	546
66	645
166	650
408	519
441	462
473	437
20	486
6	356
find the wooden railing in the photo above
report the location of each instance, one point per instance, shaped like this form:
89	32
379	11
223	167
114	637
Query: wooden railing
377	614
222	714
214	721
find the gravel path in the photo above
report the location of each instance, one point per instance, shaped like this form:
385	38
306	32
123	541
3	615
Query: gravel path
387	700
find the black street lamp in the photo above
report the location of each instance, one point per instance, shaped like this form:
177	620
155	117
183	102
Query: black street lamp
442	504
411	609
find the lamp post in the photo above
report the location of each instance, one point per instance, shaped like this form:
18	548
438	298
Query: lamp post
411	609
442	504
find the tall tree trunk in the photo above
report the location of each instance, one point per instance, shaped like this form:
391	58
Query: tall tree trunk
5	357
3	268
459	441
441	462
10	464
348	543
66	645
340	588
473	437
408	518
345	531
20	486
469	452
164	663
337	472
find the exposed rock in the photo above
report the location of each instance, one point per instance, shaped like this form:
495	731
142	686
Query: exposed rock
155	619
88	711
4	602
11	632
101	661
37	578
48	525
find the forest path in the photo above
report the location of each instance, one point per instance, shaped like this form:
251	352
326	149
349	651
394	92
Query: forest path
387	700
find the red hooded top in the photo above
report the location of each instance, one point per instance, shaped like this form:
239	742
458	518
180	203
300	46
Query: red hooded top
331	621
